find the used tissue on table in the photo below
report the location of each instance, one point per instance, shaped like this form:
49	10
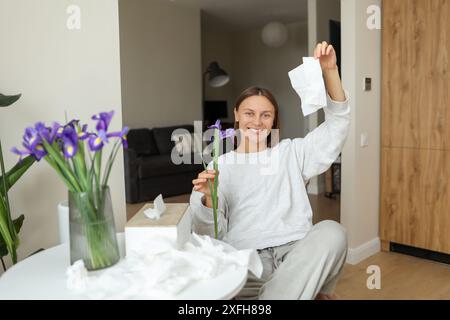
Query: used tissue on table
307	81
165	275
170	230
158	208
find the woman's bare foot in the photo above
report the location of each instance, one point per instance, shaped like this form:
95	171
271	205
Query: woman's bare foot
322	296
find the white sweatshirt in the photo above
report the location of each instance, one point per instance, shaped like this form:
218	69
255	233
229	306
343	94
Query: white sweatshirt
262	196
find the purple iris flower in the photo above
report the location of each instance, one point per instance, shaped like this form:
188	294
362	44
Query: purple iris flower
56	130
223	134
45	132
20	153
104	119
73	123
31	138
68	137
39	152
97	141
216	125
83	134
31	141
122	135
227	133
69	141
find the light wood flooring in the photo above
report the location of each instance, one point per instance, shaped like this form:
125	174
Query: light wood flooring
402	277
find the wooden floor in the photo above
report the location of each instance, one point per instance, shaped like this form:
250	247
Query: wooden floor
402	276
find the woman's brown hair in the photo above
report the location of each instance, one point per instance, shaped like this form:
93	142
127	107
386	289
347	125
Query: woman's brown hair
258	91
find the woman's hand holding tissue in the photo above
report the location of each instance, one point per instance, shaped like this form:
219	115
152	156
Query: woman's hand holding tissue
201	185
325	52
327	57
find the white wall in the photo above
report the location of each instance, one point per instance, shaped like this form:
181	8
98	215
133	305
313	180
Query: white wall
255	64
56	70
161	63
361	57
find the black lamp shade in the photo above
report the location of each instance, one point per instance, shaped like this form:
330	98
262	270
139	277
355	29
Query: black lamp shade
217	76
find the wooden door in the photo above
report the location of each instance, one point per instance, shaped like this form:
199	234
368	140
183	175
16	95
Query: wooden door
415	128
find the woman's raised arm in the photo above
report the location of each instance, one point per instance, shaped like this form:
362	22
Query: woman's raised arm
325	52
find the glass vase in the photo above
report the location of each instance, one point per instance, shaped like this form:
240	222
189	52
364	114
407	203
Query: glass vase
92	229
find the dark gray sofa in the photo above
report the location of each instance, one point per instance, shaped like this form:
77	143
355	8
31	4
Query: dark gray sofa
149	169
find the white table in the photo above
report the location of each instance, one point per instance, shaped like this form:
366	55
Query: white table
43	277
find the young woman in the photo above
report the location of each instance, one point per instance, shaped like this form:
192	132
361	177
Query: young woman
267	209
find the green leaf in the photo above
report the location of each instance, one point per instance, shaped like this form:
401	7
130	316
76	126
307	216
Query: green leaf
17	226
97	168
80	168
5	232
65	170
16	172
110	162
3	249
18	223
8	100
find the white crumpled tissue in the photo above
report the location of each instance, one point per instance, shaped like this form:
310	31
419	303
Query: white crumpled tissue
162	275
308	82
158	208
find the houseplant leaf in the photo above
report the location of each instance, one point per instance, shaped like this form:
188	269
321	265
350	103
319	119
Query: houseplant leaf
16	172
8	100
7	236
3	249
17	226
8	227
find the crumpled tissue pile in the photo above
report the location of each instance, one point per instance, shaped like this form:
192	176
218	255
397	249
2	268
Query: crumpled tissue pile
161	275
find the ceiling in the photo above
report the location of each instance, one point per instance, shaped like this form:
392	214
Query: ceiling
244	14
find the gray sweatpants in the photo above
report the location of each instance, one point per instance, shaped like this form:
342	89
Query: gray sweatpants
300	269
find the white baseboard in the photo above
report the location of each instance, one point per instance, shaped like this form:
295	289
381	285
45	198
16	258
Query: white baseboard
313	186
364	251
317	185
321	184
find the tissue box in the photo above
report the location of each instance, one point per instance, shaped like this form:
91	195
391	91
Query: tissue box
171	230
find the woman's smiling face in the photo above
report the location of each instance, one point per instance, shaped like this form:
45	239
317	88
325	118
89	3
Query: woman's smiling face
255	116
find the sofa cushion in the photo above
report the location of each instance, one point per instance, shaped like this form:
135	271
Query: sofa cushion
160	165
163	137
142	141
